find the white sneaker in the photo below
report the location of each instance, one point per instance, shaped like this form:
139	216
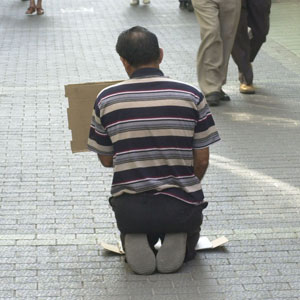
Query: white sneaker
134	2
146	1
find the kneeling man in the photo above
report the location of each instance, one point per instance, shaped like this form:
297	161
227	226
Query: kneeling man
155	133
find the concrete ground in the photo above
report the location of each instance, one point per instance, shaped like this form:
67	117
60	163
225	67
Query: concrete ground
53	204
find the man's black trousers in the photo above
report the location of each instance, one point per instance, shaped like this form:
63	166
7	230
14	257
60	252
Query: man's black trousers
156	215
255	15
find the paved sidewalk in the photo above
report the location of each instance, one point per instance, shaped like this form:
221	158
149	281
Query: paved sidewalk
53	204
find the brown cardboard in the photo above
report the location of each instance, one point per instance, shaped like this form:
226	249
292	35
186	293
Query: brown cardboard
113	248
219	242
203	243
81	102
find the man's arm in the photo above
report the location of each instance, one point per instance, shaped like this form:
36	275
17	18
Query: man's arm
106	160
201	160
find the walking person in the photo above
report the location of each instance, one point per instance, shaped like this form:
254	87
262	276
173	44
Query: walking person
155	132
255	14
218	21
35	7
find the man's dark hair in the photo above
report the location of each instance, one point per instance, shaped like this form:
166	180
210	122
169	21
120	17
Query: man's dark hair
138	46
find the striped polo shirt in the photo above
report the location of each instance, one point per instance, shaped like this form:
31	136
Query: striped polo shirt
150	124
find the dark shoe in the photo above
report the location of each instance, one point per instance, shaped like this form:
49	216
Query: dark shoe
224	96
170	256
139	255
213	99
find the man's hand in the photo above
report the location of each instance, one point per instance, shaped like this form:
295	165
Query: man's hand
106	160
201	160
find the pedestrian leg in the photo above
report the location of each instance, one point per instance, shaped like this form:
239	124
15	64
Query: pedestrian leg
259	22
241	48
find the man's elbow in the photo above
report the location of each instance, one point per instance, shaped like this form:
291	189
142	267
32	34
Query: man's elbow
106	161
107	164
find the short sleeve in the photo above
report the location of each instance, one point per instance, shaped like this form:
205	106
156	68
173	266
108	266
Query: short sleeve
205	132
99	140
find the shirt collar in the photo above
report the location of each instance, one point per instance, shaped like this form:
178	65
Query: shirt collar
147	72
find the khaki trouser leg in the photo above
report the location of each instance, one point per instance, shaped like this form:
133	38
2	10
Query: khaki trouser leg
218	21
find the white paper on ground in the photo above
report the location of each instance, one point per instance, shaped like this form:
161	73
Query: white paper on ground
203	243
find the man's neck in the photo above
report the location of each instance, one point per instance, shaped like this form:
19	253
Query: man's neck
133	69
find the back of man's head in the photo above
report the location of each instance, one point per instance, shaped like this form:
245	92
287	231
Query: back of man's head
138	46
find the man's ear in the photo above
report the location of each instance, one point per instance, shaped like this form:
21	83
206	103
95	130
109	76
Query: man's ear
128	68
161	55
124	62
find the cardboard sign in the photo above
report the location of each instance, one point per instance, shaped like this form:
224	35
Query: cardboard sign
81	103
203	243
113	248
